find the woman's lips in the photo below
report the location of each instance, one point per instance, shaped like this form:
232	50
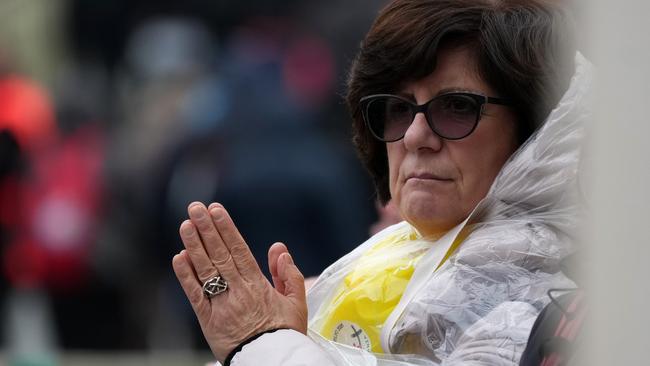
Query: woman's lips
427	176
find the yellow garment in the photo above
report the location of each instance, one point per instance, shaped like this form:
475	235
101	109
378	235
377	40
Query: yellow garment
371	291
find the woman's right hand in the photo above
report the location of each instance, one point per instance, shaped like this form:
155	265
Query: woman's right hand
250	305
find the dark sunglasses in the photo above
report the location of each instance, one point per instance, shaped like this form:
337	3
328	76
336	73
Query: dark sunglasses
451	116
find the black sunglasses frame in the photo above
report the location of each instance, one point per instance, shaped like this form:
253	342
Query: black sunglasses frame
481	100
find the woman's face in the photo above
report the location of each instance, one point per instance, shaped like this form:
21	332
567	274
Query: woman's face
435	182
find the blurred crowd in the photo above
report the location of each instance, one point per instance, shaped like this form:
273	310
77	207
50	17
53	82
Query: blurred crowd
158	104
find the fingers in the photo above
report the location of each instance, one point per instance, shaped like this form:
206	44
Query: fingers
275	251
187	278
196	252
209	238
241	254
294	282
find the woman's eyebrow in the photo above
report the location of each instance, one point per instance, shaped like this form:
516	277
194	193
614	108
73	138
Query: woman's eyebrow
456	89
451	89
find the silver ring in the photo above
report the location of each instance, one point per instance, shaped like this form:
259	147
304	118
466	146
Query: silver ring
214	286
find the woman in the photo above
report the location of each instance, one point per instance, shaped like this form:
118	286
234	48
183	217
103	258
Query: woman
442	93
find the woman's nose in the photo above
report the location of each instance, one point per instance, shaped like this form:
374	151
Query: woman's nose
419	135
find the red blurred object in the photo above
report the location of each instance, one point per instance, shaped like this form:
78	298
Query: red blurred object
63	208
25	264
26	111
49	209
309	70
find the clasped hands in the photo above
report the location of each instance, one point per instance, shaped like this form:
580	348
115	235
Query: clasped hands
250	305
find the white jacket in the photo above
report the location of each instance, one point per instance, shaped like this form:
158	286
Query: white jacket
479	306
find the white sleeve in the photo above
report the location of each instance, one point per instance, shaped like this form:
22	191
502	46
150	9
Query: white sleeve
291	348
282	347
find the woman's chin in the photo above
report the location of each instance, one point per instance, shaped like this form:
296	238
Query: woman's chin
429	213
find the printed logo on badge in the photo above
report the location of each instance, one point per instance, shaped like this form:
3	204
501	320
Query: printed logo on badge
351	334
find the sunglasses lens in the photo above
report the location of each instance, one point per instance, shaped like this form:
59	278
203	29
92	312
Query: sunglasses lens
454	116
389	117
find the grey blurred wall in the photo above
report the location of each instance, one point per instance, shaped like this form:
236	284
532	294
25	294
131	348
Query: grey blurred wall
619	184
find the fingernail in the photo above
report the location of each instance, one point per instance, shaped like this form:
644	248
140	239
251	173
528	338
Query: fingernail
289	259
196	211
186	227
216	213
213	205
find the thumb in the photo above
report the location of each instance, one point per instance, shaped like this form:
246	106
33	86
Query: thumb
294	282
275	251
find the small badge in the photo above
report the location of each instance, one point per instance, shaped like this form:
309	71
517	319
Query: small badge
351	334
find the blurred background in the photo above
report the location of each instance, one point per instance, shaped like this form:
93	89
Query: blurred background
116	114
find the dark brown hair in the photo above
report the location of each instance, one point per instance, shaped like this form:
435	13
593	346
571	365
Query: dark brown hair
524	50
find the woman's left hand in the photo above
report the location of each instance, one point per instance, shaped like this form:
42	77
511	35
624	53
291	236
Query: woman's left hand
250	305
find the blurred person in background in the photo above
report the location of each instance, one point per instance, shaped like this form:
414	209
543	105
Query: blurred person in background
167	71
50	197
468	116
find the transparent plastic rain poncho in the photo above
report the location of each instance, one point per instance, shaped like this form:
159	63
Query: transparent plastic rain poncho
479	306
